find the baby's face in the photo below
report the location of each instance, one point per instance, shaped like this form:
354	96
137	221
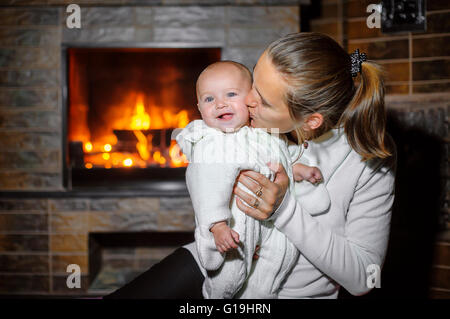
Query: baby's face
221	92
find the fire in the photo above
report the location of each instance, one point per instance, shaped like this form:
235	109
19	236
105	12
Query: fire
148	124
142	145
128	162
88	146
178	159
141	119
158	158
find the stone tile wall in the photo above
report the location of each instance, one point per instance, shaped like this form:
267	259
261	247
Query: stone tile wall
40	237
30	104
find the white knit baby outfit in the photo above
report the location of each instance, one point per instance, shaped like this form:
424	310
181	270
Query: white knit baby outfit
215	160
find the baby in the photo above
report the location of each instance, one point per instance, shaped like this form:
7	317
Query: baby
226	238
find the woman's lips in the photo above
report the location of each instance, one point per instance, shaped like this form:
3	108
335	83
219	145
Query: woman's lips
252	120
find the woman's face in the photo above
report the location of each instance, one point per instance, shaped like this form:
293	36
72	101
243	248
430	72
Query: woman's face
266	102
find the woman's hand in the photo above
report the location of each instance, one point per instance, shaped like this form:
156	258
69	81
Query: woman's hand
268	195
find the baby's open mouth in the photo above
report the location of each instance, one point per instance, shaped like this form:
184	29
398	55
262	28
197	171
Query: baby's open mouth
225	116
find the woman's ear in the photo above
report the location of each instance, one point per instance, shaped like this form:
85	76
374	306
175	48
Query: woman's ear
313	122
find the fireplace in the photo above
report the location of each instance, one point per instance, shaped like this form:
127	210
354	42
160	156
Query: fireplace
122	106
115	258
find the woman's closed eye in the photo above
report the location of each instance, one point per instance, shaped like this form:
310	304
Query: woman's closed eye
265	104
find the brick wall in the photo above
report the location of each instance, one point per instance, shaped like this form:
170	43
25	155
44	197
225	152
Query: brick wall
415	63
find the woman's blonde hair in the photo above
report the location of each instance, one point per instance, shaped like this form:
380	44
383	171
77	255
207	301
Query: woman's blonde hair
318	73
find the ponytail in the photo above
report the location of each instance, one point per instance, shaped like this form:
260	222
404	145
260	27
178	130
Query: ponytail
364	119
319	75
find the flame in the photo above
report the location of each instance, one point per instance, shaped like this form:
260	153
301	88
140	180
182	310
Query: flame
141	119
88	146
141	146
183	119
178	159
127	162
107	147
158	158
137	113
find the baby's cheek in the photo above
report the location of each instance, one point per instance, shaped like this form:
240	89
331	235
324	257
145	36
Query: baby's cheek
243	111
208	120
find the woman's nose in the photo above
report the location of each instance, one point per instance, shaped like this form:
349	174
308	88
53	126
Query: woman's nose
250	99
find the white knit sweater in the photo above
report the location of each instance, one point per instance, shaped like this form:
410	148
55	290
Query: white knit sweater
216	158
349	231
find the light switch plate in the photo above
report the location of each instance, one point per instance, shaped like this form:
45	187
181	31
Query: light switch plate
399	16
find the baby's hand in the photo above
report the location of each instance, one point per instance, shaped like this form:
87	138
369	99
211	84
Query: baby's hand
224	237
311	174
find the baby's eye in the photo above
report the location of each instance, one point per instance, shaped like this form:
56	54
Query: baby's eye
208	99
231	94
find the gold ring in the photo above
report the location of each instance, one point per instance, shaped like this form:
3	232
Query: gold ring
256	203
259	192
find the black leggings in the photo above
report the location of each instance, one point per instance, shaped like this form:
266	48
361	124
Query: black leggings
175	277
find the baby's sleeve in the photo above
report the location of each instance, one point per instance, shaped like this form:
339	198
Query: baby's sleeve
210	184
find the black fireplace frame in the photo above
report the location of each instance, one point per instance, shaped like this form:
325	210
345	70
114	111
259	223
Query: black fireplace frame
158	181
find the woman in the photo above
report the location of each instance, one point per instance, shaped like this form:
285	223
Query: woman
303	86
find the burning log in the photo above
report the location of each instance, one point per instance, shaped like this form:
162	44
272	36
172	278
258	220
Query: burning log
127	139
